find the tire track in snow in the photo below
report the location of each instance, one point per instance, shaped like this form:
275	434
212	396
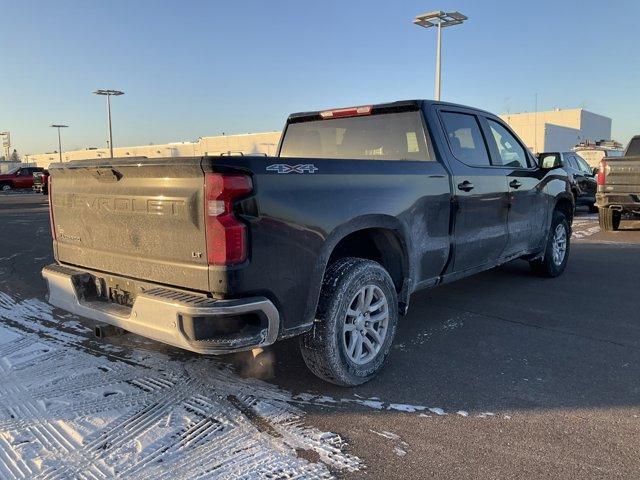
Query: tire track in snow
48	433
82	416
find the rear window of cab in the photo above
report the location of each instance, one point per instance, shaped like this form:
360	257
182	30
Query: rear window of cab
388	136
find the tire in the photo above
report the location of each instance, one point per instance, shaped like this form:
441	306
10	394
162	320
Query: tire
5	187
593	208
555	258
330	349
609	219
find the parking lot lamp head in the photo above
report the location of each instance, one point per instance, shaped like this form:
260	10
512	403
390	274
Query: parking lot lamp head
109	93
440	20
59	126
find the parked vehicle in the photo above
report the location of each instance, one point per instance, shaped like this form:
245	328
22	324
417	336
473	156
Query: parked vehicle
360	208
19	178
618	193
581	176
594	152
41	182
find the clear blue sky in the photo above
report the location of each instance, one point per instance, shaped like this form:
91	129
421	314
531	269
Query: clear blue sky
194	68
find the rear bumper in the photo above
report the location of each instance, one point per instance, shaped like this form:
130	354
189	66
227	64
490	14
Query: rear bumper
169	316
622	202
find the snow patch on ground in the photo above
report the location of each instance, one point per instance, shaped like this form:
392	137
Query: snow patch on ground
376	404
66	411
400	447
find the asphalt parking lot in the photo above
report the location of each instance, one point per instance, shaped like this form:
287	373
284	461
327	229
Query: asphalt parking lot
501	375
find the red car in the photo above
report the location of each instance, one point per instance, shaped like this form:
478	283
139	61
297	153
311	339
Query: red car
21	177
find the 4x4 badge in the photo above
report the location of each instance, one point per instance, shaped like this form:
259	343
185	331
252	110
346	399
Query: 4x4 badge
284	168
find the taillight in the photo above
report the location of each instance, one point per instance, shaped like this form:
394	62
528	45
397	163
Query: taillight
226	235
53	225
347	112
602	174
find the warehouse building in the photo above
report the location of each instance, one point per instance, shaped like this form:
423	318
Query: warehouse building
558	130
251	143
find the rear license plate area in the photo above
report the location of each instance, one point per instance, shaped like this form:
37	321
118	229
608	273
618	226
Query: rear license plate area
106	289
120	296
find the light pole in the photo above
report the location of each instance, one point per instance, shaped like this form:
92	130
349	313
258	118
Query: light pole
59	139
109	94
439	19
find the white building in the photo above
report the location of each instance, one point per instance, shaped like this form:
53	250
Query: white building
558	130
250	143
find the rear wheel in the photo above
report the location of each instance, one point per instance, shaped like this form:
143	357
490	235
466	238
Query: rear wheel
556	253
609	219
355	323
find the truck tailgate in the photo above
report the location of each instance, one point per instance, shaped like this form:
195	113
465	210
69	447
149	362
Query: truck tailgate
139	219
622	175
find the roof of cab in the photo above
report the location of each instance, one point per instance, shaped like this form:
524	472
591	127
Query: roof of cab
391	107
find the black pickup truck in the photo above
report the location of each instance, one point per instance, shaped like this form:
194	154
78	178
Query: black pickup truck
618	193
327	240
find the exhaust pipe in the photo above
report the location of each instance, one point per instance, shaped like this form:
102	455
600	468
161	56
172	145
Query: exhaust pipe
104	330
616	207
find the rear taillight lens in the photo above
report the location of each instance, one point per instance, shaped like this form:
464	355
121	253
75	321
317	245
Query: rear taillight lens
602	174
226	235
53	225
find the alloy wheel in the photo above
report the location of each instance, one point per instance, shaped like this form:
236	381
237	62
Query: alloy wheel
366	324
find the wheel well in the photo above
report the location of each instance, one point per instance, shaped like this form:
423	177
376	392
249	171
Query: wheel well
378	244
565	206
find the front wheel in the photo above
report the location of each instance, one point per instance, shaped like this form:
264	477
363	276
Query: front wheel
5	187
355	323
556	253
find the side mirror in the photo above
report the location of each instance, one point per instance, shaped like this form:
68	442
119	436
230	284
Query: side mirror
549	162
595	170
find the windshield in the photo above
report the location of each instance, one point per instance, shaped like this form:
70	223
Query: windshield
391	136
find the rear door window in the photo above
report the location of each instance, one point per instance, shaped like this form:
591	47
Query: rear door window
465	138
388	136
511	152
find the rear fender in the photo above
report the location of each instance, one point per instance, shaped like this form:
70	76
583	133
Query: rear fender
352	226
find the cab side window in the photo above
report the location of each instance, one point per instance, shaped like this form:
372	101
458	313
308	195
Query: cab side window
510	150
465	138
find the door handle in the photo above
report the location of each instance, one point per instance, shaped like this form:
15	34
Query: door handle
466	186
515	184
